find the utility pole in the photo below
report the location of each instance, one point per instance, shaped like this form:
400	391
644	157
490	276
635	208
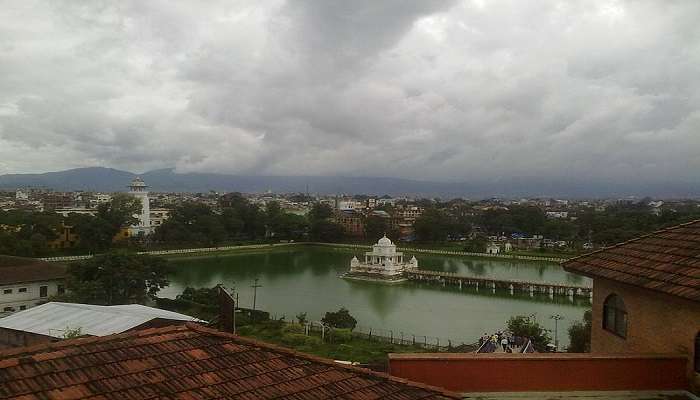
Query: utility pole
255	287
556	318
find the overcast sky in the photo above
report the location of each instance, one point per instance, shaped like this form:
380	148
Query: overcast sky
449	90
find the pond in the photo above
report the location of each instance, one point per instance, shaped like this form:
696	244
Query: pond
306	279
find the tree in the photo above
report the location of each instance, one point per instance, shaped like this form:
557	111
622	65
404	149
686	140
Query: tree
375	227
326	231
580	335
320	212
116	278
192	223
302	318
477	244
291	226
207	296
321	227
273	214
340	319
432	226
120	211
95	233
525	327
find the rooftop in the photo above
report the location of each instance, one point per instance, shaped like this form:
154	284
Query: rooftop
189	361
666	261
52	319
15	270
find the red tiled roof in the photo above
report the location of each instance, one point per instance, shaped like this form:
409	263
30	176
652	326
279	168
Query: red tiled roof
666	261
21	270
189	362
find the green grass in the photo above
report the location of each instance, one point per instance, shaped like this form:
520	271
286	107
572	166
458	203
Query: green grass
357	349
548	253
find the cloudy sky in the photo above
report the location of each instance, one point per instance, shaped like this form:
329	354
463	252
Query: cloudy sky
427	89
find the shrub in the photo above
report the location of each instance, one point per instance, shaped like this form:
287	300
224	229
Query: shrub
293	328
245	330
524	327
340	319
295	339
340	335
580	335
312	341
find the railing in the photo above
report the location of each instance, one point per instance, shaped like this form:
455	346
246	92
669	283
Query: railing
346	245
407	339
455	276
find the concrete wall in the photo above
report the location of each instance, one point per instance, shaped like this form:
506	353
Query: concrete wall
13	338
656	323
541	372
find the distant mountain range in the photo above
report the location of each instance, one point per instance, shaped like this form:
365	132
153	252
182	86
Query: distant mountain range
167	180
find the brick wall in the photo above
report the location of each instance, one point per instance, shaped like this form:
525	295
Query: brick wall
657	323
541	372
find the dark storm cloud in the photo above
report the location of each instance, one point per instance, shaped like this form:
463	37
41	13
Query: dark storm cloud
425	89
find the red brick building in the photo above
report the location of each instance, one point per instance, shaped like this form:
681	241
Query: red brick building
646	295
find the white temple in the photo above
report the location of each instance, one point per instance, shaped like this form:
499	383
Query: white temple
383	263
139	189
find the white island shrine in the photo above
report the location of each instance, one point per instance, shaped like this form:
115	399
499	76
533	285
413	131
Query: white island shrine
383	264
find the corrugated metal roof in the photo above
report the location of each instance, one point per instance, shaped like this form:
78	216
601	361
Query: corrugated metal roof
52	319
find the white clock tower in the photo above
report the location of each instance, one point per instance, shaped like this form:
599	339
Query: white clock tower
138	189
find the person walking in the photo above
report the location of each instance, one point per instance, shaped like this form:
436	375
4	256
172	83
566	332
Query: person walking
504	344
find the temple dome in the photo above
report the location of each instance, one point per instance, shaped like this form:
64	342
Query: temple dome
385	241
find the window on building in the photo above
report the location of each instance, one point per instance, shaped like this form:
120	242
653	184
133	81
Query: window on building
7	291
615	316
22	290
697	352
8	309
61	289
22	307
43	291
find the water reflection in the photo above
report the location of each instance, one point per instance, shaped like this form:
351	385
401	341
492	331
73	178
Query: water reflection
306	280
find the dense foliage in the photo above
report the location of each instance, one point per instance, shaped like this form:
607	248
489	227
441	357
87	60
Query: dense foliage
526	327
580	335
321	226
237	219
116	278
24	233
340	319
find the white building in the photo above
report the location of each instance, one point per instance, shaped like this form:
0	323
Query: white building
21	195
139	189
26	282
493	248
383	263
158	216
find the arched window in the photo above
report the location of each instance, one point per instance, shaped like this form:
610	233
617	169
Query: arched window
697	352
615	315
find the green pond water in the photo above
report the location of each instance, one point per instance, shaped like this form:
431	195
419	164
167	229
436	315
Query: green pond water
305	279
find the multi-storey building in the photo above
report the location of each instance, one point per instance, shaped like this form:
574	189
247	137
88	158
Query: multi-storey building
27	282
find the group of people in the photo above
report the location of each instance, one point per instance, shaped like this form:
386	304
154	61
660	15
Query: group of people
506	340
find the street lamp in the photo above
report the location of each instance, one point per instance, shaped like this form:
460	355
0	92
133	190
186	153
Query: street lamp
556	318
